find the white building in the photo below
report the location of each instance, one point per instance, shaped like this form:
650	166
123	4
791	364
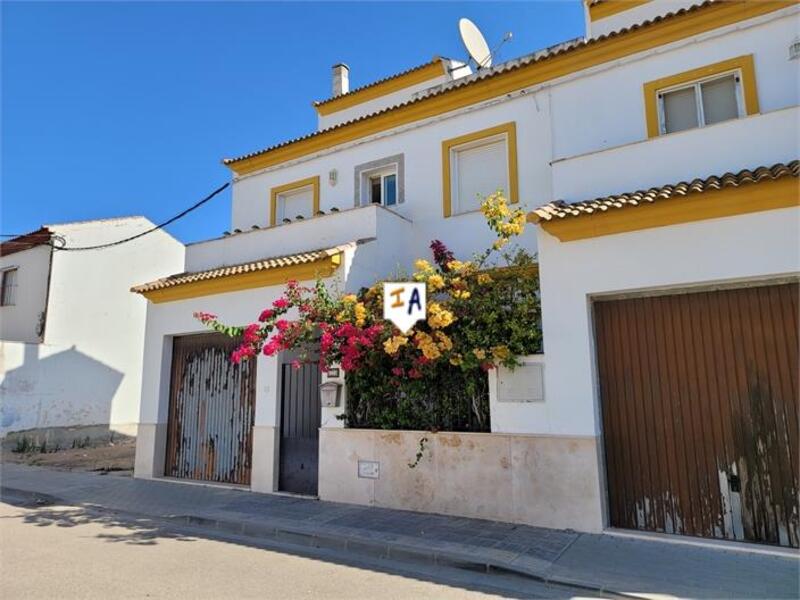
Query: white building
658	93
71	335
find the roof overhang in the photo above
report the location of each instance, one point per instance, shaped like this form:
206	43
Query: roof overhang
40	237
255	274
748	191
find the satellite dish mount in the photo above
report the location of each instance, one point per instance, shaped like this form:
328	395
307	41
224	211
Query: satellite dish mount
476	45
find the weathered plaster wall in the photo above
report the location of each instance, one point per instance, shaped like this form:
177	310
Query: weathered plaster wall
547	481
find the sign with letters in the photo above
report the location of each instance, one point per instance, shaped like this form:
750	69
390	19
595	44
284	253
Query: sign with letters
404	303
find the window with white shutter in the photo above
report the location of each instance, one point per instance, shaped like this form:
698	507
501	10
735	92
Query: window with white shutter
296	203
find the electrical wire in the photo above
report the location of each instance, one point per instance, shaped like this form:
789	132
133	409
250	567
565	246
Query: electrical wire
58	240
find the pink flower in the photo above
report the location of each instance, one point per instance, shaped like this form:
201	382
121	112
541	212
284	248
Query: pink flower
487	366
398	372
326	341
281	303
291	284
414	373
204	317
296	364
282	324
266	314
250	333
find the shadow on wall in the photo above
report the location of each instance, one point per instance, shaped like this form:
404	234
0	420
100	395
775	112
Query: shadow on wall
47	386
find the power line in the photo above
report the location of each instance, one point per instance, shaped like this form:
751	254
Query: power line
180	215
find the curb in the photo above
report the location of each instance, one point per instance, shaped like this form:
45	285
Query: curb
401	552
353	544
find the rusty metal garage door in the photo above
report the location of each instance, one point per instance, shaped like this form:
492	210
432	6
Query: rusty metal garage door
211	411
699	397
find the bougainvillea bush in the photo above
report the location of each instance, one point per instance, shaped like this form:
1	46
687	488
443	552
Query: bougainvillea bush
482	313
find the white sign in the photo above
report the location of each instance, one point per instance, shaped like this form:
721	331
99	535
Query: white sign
369	469
404	304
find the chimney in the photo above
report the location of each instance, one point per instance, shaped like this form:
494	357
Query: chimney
341	79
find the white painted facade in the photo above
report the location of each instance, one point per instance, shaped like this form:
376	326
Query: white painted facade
579	136
72	343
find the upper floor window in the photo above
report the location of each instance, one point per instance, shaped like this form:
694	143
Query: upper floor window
700	97
476	165
293	200
8	292
380	182
702	103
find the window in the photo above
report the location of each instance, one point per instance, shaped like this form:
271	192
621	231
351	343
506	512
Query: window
476	165
383	189
711	94
9	288
380	182
296	199
699	104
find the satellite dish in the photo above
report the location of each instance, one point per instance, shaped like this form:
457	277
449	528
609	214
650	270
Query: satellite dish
475	43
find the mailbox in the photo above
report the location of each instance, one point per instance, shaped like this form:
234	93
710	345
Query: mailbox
329	394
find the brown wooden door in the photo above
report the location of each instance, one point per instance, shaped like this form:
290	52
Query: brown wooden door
211	411
699	397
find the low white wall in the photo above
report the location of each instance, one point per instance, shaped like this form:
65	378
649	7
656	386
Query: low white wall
546	481
45	386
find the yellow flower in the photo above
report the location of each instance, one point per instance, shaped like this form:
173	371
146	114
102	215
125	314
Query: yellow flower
429	348
341	316
392	345
458	266
462	294
456	360
361	314
445	343
484	279
479	354
500	242
349	298
501	352
422	265
438	317
436	282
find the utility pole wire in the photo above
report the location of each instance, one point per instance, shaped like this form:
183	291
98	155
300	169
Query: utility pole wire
180	215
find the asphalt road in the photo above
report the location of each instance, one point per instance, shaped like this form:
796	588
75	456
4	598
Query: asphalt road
68	552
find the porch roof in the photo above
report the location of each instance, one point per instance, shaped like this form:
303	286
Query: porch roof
253	274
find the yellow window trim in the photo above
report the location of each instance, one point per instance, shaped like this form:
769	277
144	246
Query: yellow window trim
601	10
324	267
288	187
425	73
727	202
602	51
507	129
744	64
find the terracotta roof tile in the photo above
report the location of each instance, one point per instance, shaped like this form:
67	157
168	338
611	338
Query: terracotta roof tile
248	267
561	210
433	61
510	65
26	241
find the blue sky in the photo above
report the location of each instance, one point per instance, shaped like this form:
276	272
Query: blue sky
113	109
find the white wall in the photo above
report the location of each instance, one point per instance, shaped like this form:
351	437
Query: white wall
421	146
763	139
606	109
759	245
94	333
21	321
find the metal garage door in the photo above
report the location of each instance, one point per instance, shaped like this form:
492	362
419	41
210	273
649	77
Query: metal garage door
699	397
211	411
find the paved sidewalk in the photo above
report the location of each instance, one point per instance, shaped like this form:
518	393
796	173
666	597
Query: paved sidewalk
598	562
